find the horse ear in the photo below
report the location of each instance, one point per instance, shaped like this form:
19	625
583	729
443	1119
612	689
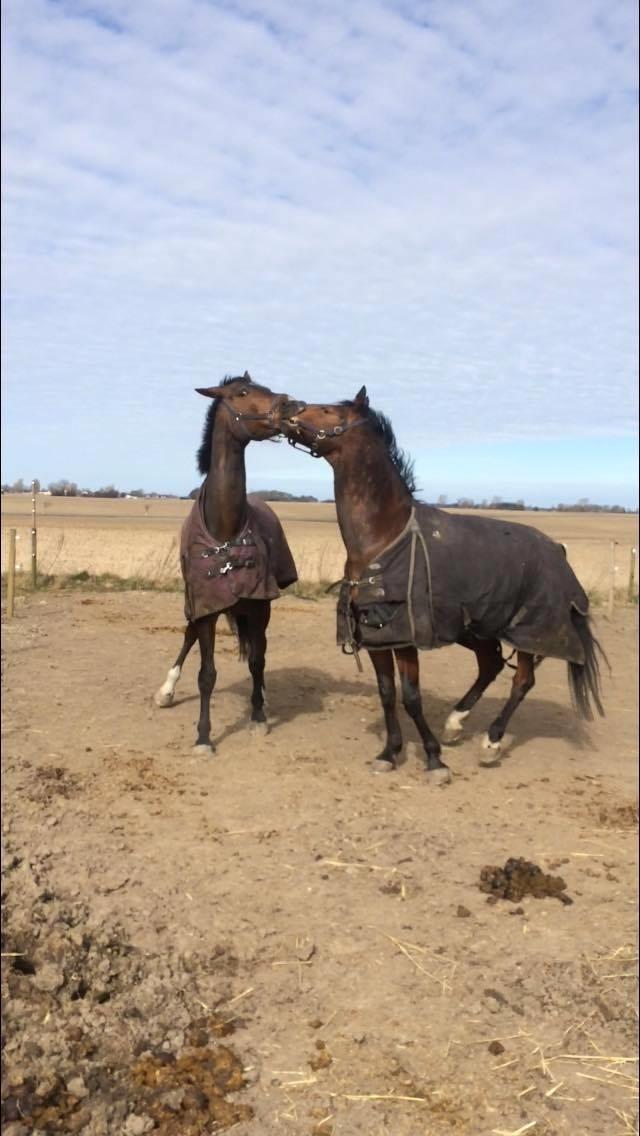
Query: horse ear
361	398
247	377
209	392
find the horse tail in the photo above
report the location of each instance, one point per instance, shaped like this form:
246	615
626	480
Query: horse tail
239	626
584	678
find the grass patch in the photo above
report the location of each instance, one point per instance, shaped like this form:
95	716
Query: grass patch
302	589
86	582
108	582
599	598
311	589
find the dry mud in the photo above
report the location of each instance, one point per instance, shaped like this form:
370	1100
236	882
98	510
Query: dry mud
275	940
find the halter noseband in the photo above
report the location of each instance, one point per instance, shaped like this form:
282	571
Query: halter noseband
238	416
318	435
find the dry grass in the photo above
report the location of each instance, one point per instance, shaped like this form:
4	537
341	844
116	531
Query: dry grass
138	540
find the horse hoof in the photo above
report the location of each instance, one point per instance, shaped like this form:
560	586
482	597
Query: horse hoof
203	750
259	729
163	699
439	776
381	765
451	739
453	727
491	755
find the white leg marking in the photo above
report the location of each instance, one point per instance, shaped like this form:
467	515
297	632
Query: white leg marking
164	696
492	751
453	724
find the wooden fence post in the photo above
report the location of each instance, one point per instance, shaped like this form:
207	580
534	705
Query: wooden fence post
631	590
34	536
11	574
612	578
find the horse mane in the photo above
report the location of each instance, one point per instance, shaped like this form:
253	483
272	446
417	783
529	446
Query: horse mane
400	459
203	454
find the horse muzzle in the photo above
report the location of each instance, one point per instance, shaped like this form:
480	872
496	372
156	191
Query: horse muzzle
291	409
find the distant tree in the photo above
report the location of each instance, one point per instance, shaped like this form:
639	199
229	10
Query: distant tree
107	491
63	488
442	499
280	495
136	492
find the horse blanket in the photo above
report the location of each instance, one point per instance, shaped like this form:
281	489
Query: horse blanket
254	565
446	574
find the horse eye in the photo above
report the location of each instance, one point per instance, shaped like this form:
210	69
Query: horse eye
243	393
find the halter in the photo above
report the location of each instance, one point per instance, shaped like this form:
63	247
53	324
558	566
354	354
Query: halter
238	416
317	435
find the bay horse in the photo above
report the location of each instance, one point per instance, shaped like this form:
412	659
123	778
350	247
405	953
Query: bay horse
234	556
482	582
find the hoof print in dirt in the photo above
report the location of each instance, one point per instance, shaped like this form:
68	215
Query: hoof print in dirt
519	878
321	1059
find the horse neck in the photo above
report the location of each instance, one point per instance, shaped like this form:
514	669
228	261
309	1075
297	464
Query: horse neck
372	502
225	501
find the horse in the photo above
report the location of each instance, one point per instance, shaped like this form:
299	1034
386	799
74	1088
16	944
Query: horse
417	576
233	553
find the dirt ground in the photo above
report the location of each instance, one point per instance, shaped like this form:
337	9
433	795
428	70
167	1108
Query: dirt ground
276	941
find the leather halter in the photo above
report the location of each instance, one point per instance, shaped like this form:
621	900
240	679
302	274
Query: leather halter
238	416
317	434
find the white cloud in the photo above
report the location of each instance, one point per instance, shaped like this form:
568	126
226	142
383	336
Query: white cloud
436	199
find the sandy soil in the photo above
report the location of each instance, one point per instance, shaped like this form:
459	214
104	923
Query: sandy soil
276	939
140	538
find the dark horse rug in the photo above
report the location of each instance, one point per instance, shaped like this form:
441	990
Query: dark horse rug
254	565
444	575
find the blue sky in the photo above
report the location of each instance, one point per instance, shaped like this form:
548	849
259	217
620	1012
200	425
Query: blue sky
436	198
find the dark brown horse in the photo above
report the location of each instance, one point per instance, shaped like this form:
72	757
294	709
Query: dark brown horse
234	556
417	576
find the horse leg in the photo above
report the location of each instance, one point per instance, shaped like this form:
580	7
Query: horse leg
523	681
383	666
490	662
206	630
409	669
164	696
258	621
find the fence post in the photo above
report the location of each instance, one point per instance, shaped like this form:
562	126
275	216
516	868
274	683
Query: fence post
631	590
34	536
612	578
11	574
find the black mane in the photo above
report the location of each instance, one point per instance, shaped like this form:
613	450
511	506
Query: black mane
203	455
402	461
